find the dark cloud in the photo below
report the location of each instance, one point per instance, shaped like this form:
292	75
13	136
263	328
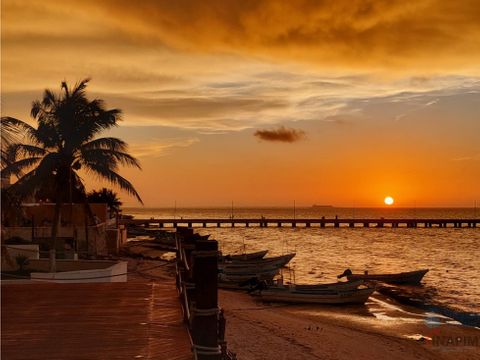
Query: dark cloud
282	134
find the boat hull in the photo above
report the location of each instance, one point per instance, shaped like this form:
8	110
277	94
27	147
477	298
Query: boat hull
248	256
411	277
235	278
356	296
346	285
251	266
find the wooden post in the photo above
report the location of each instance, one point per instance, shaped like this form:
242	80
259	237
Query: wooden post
205	311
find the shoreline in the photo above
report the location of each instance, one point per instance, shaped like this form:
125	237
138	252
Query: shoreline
384	326
257	330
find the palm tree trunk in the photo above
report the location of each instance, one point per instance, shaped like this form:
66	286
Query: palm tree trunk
53	244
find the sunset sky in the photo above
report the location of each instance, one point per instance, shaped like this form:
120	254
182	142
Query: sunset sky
266	101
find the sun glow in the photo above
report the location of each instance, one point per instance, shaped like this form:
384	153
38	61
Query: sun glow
388	200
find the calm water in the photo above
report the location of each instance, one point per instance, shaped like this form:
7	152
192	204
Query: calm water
452	255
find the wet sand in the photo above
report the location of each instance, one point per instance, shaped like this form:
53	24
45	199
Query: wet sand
381	329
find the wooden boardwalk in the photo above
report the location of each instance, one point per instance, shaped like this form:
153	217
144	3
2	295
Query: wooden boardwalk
321	223
133	320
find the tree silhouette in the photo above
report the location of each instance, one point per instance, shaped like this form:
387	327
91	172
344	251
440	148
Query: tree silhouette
105	196
65	141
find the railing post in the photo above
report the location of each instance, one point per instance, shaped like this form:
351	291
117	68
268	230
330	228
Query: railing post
205	311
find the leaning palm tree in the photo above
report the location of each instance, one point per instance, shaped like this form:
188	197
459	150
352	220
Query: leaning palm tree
65	141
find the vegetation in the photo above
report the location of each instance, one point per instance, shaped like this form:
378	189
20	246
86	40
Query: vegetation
105	196
21	261
65	141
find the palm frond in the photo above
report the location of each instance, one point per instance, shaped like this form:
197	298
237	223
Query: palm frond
29	150
18	167
12	127
79	89
109	156
114	178
32	181
108	143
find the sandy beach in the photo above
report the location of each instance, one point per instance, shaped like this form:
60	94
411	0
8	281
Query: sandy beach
274	331
382	328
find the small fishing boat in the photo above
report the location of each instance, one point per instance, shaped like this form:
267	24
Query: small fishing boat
410	277
245	257
326	296
271	262
237	277
340	285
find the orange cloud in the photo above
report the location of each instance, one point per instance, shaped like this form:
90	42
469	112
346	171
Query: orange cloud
425	34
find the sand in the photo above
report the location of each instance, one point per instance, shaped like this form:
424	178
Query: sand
272	331
382	329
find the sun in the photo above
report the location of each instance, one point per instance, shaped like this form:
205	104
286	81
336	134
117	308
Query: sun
389	200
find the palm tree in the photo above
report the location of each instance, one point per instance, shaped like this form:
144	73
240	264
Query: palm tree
65	141
105	196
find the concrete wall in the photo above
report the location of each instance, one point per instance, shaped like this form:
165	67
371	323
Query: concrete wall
116	272
70	265
71	214
96	245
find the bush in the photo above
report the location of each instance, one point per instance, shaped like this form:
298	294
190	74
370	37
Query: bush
22	261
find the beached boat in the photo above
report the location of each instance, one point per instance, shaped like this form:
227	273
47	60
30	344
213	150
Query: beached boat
275	261
410	277
326	296
237	277
245	257
340	285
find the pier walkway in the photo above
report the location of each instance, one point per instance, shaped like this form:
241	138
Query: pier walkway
321	223
139	319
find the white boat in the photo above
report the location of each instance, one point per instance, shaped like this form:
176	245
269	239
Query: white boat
327	296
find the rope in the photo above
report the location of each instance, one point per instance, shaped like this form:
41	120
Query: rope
188	285
206	312
207	350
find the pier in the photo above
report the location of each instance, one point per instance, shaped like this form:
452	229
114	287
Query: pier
320	223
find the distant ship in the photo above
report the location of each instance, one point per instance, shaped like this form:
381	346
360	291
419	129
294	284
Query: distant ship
321	206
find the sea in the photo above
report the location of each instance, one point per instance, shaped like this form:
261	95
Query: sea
451	254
